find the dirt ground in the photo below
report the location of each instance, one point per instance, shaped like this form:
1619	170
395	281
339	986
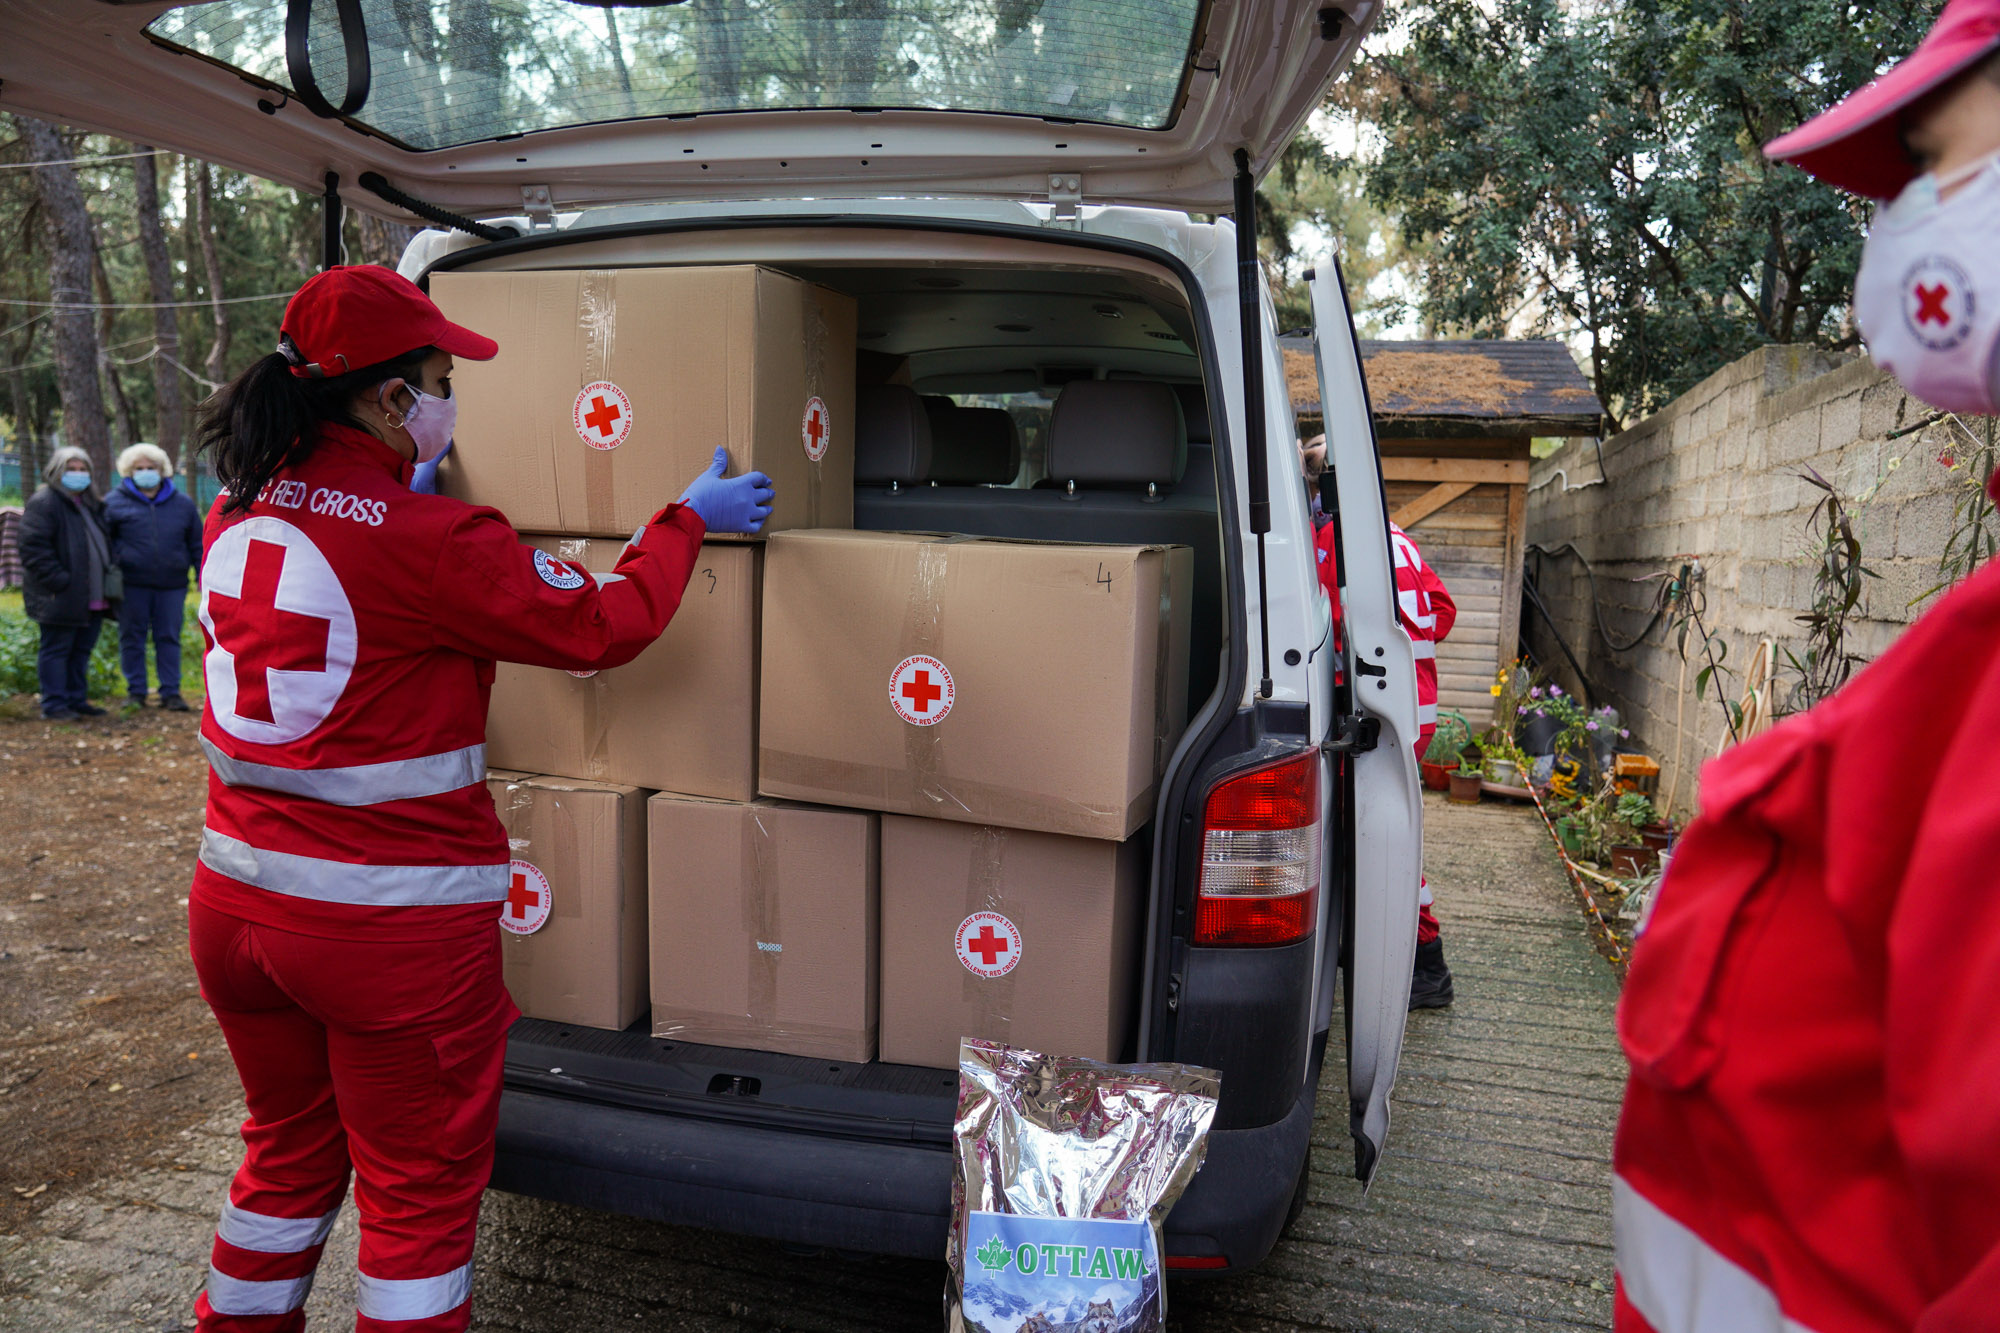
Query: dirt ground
107	1052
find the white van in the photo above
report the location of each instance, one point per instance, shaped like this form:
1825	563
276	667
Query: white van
1017	194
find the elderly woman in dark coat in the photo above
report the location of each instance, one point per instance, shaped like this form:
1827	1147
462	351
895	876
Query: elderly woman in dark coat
70	580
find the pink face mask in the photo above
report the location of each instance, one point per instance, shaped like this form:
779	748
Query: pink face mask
430	422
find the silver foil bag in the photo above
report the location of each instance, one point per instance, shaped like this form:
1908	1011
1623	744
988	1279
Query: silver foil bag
1066	1169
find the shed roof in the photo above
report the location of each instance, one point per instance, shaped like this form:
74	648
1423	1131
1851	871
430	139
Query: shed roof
1458	387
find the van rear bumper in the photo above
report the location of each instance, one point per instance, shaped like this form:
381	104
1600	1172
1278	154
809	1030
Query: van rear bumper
844	1194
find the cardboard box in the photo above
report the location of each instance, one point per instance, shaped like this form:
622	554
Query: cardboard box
764	926
681	716
1026	938
579	853
1034	685
613	388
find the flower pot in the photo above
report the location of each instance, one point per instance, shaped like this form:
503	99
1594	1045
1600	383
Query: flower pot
1537	734
1631	862
1464	789
1657	837
1569	835
1506	773
1437	777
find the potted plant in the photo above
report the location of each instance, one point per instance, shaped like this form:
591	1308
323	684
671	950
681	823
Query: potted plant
1569	832
1453	731
1467	777
1630	857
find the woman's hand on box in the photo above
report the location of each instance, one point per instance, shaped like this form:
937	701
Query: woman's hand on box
730	504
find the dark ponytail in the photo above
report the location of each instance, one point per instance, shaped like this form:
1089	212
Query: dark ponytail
268	419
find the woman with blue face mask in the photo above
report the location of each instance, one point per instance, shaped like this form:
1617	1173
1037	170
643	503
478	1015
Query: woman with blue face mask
155	540
71	582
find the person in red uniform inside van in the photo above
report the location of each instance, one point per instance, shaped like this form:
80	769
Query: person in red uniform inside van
1811	1135
1426	612
344	913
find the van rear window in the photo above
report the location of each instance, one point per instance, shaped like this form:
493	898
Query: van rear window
458	71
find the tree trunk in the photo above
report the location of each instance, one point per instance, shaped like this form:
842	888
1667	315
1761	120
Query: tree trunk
68	226
127	430
211	263
383	242
169	412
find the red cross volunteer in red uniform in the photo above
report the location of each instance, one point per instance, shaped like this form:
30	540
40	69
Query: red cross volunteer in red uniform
352	869
1426	612
1811	1135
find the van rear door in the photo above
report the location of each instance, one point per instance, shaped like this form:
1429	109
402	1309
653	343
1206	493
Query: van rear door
1387	842
487	108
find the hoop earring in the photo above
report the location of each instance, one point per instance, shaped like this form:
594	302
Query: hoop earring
397	424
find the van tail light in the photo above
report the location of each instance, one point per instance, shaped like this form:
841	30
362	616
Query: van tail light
1197	1261
1260	854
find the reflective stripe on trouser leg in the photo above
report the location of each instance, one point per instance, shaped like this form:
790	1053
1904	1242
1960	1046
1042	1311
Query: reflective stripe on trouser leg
395	1300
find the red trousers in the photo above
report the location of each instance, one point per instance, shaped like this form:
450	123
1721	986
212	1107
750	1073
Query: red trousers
383	1055
1427	924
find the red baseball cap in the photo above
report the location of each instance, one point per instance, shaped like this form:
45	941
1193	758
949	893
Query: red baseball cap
1857	144
362	314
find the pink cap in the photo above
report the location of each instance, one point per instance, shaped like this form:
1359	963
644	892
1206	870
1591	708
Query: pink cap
1857	145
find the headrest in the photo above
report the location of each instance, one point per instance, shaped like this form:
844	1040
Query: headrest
1194	411
892	435
1117	433
974	446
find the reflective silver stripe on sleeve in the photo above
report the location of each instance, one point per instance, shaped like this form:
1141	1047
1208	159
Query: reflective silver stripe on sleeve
346	882
417	1297
361	784
1427	715
273	1235
234	1296
1678	1282
1423	650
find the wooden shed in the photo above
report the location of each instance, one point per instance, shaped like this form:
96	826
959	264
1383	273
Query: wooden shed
1454	421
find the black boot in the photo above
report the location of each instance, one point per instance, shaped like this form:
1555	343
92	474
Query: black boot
173	703
1430	984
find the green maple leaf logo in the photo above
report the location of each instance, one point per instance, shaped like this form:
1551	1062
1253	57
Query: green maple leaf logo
993	1255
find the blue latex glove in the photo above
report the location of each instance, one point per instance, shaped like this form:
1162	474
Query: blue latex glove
424	480
730	504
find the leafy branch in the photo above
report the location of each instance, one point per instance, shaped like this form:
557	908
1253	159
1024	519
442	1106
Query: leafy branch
1685	603
1837	587
1973	540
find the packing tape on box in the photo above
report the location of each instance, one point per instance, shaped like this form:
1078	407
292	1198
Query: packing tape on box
597	318
760	919
991	998
707	1027
923	747
598	713
817	335
879	787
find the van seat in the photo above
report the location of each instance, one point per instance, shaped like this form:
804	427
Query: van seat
974	446
1116	449
892	437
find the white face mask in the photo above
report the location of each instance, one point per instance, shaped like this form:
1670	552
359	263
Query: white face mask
1927	297
430	422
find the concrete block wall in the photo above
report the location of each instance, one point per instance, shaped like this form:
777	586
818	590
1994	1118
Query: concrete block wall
1715	478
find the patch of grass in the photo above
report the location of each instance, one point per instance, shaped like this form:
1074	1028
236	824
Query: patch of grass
20	638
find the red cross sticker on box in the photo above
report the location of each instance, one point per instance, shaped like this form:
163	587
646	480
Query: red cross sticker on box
988	944
528	898
281	635
1938	303
920	690
603	415
815	428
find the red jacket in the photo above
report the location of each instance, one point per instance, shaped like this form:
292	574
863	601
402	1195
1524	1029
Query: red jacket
1423	607
1811	1133
352	628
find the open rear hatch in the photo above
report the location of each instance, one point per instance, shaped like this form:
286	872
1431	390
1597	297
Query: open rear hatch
478	107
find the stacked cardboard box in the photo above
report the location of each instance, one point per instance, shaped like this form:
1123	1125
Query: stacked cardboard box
867	784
